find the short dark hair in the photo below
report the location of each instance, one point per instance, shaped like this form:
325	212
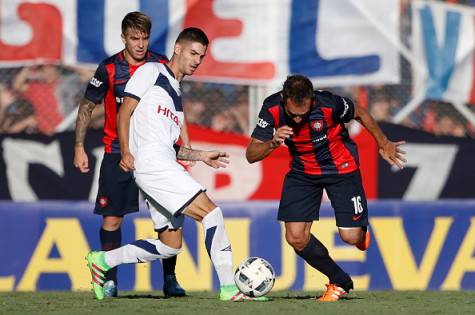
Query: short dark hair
136	21
297	88
193	34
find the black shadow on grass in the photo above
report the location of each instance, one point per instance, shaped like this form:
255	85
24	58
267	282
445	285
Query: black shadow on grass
296	297
142	296
309	297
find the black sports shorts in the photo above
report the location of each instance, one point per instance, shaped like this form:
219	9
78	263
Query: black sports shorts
302	196
117	194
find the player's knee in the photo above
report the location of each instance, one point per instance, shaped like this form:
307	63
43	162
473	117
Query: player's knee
111	223
351	237
297	241
200	207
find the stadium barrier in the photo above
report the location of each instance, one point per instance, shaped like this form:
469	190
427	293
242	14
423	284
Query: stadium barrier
416	246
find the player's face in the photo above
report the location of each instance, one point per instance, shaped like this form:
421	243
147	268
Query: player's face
298	113
136	45
190	56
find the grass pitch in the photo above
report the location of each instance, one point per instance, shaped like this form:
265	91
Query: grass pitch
283	302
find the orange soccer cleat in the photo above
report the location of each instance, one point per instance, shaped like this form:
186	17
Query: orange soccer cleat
332	294
364	244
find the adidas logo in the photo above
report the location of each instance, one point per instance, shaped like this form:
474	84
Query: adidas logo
226	249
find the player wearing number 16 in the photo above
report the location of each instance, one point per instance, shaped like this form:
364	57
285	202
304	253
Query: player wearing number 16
311	124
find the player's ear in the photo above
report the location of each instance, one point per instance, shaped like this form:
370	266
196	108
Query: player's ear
122	36
178	48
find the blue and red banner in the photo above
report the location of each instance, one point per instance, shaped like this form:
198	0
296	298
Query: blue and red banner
444	49
334	43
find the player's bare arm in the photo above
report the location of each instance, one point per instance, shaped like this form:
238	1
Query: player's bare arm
123	123
215	159
390	151
82	123
185	139
258	150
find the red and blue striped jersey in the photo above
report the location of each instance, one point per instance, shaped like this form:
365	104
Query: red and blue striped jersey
320	145
108	84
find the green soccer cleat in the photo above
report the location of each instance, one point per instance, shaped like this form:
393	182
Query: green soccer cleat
98	268
232	293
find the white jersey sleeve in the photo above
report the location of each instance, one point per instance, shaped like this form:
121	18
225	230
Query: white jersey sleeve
142	80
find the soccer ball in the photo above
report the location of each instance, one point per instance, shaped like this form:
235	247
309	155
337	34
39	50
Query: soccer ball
254	277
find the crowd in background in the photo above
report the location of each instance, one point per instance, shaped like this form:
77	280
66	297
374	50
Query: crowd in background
37	99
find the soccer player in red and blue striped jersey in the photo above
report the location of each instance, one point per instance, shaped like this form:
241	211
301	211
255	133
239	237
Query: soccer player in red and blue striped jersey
312	125
118	193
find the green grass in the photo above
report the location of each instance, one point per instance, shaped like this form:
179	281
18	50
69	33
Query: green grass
284	302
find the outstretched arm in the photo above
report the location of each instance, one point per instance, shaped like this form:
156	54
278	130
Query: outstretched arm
215	159
390	151
258	150
123	123
82	123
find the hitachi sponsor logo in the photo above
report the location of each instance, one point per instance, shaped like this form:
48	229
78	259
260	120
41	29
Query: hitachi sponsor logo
321	138
95	82
168	113
346	108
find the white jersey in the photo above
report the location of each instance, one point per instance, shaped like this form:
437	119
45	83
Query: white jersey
155	126
157	120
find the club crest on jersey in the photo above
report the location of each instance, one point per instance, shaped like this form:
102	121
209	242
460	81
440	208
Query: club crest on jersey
317	125
103	202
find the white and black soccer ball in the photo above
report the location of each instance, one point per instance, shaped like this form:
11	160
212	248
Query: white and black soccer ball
254	277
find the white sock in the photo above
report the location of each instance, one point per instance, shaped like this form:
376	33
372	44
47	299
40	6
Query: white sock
138	252
218	246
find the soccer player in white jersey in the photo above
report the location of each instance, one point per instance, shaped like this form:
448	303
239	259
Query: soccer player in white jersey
149	124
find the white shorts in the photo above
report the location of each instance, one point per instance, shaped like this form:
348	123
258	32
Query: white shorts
169	190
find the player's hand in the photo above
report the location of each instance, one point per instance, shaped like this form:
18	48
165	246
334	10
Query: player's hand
216	159
393	154
186	162
127	162
280	135
80	159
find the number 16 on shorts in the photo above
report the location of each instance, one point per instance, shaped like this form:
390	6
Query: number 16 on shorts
357	204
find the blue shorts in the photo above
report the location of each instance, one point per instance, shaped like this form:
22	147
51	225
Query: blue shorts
302	196
117	194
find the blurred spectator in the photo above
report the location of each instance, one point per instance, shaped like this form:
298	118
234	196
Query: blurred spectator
447	126
194	108
71	88
240	112
54	92
16	115
223	121
38	85
380	109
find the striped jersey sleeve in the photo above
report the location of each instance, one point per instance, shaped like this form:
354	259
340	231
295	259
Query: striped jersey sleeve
98	85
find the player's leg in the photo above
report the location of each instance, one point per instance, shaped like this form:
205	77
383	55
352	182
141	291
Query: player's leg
169	229
171	287
139	251
217	243
111	238
117	196
316	255
299	207
351	209
179	194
